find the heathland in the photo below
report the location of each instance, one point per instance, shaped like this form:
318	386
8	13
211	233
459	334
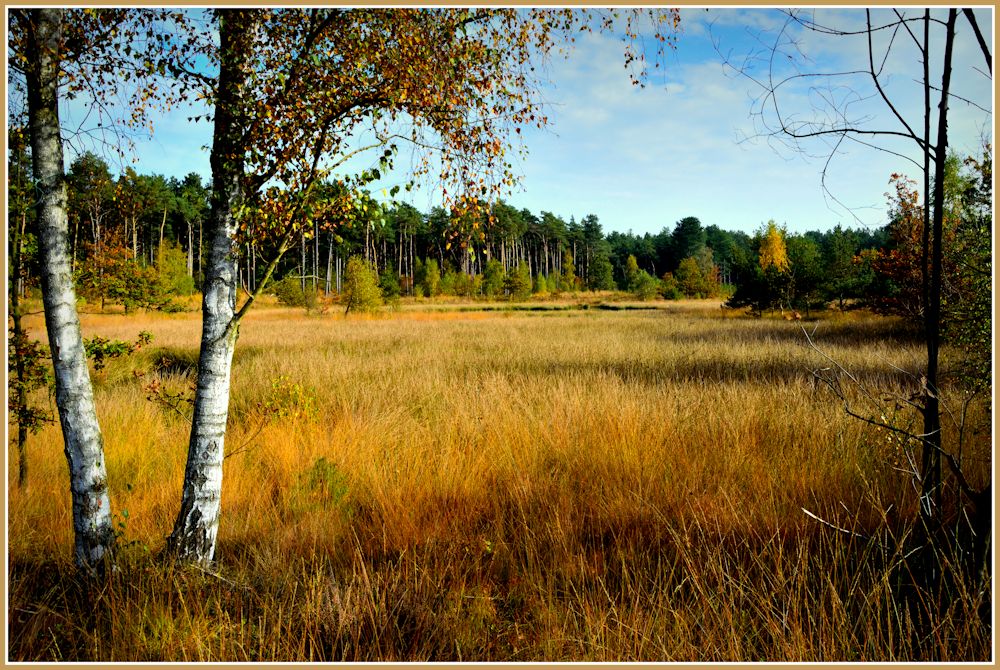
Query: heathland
675	482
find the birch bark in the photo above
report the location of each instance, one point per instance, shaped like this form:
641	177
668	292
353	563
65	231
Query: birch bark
83	444
195	530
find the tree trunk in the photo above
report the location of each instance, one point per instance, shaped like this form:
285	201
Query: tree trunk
197	524
201	230
72	252
159	246
930	495
302	265
329	264
190	250
84	448
20	399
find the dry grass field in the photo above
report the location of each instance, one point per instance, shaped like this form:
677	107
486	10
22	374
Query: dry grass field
463	485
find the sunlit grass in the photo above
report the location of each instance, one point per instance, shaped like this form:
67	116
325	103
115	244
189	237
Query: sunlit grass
563	485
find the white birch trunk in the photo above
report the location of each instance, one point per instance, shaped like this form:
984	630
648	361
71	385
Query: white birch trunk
84	448
196	528
197	524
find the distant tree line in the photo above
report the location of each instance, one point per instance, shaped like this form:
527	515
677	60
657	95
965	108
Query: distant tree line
137	240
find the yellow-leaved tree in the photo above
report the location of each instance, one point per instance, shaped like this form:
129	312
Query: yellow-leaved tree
773	253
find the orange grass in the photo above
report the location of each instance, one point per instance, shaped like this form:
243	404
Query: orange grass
576	485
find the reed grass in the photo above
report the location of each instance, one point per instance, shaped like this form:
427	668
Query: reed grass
571	484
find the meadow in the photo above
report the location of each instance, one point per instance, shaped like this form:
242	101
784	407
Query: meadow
446	483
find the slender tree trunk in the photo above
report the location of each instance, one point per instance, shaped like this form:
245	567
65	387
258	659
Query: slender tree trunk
302	263
163	223
329	264
926	232
196	528
201	230
17	335
190	250
72	252
84	448
931	458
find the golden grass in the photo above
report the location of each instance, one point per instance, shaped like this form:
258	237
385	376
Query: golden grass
568	485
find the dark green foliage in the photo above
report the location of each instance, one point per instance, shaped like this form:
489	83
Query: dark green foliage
687	240
753	290
388	282
970	310
518	283
101	349
807	271
601	276
839	249
570	255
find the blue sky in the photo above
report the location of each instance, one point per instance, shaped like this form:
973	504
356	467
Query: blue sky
641	159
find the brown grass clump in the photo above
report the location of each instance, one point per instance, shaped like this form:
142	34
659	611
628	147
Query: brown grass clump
564	485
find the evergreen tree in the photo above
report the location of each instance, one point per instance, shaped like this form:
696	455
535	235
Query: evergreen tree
601	274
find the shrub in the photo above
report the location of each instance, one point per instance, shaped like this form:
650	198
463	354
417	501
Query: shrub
171	270
493	278
464	285
291	400
644	287
289	292
669	289
552	283
518	283
361	286
388	281
541	286
448	283
431	279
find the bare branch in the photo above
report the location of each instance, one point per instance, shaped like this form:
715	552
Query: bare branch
878	84
979	37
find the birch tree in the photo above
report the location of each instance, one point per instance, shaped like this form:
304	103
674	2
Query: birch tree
294	88
57	52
